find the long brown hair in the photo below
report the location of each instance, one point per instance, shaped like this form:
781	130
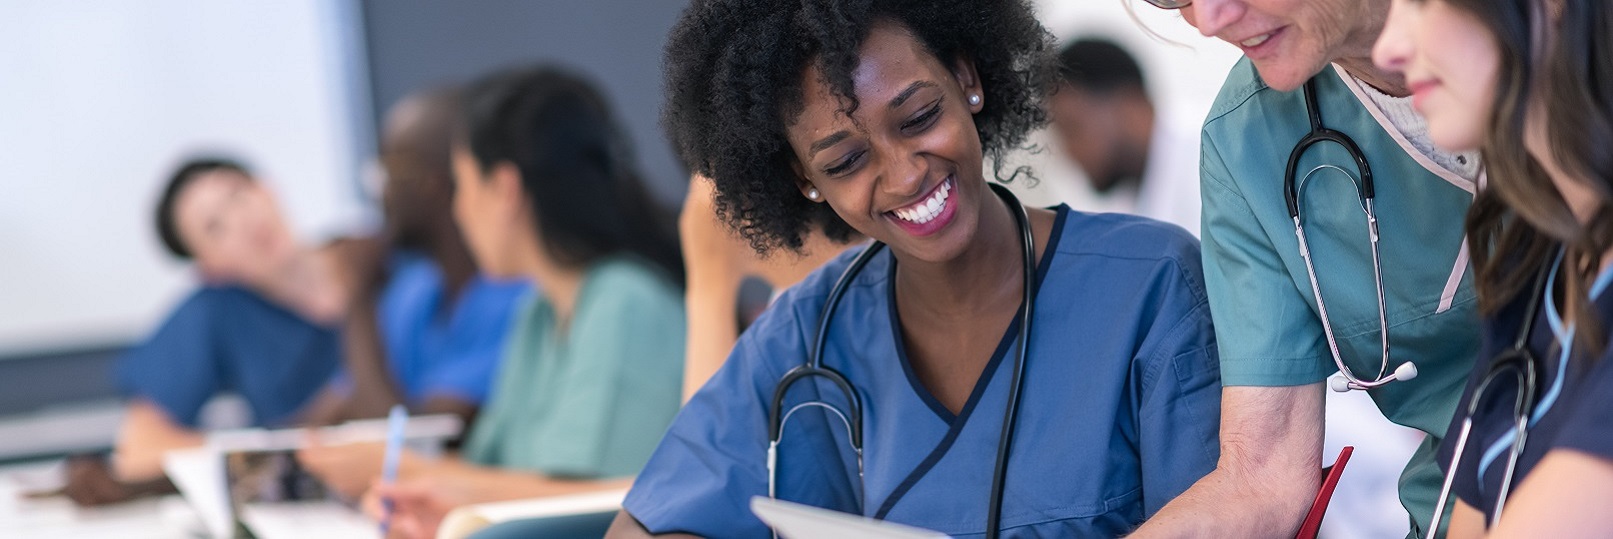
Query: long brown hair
1556	56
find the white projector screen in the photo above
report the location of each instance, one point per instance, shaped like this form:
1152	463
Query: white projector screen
99	101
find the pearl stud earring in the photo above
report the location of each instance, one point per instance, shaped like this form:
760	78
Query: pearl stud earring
974	99
812	193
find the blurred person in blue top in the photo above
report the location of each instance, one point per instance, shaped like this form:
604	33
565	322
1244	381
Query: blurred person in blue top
1531	84
264	326
546	188
1277	347
425	328
878	117
430	319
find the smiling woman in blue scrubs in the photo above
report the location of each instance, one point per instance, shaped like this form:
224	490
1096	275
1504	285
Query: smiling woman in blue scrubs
878	118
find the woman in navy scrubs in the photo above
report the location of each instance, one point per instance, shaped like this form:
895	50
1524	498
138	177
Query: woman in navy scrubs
1530	82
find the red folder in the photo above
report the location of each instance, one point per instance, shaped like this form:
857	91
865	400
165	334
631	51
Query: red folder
1330	480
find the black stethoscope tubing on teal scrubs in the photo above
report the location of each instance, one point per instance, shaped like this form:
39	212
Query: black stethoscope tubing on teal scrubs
852	418
1345	379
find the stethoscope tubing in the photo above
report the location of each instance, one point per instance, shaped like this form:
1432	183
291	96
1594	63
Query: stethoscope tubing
1522	365
1366	191
853	418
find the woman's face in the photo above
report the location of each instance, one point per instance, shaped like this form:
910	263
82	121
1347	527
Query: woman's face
1452	65
1288	40
233	227
905	168
481	211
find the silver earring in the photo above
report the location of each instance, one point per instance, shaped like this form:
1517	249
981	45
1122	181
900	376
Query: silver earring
974	99
812	193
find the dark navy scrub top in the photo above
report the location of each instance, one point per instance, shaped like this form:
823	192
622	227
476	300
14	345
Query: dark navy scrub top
1574	395
230	339
1119	411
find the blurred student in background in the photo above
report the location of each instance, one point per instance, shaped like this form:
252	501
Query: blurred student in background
264	325
425	329
1134	161
546	188
1530	84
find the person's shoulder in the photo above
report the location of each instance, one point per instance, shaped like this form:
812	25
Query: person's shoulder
811	293
1146	246
409	265
213	298
629	282
629	273
1121	235
1242	85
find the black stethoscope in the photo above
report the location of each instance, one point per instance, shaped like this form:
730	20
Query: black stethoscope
853	419
1520	363
1345	379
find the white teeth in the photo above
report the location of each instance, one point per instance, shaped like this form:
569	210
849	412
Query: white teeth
1255	41
926	210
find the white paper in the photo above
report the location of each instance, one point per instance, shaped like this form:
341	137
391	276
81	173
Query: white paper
797	521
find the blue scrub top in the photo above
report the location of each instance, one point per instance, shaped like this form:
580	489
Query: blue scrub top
230	339
436	352
1574	392
1119	412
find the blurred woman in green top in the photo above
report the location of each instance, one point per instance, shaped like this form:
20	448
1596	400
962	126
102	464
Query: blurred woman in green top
546	188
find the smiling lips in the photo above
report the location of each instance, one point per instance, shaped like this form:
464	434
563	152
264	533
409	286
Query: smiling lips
1252	46
1420	91
926	210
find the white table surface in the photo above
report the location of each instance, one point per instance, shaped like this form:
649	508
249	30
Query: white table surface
57	517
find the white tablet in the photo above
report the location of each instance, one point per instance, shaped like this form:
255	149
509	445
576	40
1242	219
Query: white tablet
796	521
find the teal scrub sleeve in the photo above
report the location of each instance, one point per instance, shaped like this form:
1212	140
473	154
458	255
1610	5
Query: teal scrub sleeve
627	344
1180	410
1266	331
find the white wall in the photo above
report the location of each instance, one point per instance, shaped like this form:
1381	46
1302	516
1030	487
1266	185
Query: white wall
98	102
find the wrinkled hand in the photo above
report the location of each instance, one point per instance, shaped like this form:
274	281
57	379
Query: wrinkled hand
418	506
347	468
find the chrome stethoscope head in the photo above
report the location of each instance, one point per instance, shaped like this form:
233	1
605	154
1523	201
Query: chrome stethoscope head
1293	189
852	417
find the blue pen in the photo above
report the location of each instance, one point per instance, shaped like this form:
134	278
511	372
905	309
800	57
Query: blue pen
396	420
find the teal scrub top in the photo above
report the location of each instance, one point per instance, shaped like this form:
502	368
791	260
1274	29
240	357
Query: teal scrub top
592	399
1266	319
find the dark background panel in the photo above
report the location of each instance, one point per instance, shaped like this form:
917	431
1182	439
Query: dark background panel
417	43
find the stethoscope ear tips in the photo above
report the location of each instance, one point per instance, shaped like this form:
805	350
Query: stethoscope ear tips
1406	371
1338	383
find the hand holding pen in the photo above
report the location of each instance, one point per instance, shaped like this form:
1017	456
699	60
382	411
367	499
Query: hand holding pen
396	420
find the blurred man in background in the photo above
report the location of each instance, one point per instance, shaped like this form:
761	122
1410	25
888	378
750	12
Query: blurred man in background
425	329
1107	124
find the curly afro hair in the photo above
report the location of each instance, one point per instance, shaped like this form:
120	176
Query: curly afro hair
734	70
